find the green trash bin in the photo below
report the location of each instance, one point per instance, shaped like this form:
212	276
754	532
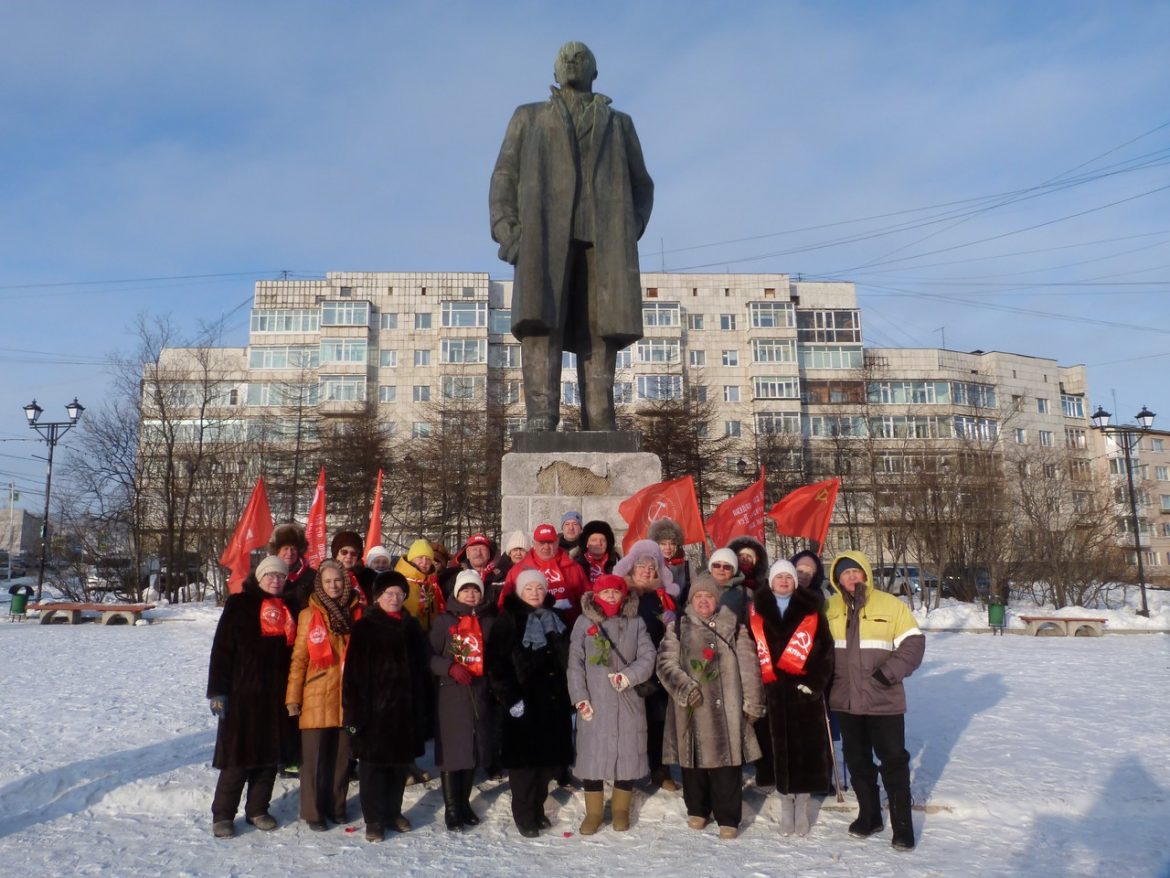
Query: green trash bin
996	613
18	608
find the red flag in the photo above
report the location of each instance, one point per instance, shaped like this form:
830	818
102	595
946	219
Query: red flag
315	526
674	500
252	532
807	511
374	533
739	516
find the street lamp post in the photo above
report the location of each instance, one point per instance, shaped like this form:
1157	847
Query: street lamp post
1128	436
51	432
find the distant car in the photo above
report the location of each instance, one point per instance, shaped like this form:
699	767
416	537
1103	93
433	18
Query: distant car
903	580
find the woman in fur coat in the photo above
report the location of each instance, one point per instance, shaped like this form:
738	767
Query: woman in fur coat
609	654
796	698
710	670
314	694
245	684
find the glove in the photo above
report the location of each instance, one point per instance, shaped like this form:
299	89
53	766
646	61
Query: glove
351	730
517	709
804	690
459	674
562	604
619	682
219	706
695	698
668	618
881	678
293	709
585	709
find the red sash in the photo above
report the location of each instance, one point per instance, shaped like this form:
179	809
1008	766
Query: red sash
467	644
666	600
275	619
795	654
762	651
320	650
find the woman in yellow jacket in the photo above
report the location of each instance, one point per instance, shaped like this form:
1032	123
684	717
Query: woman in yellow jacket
425	600
314	694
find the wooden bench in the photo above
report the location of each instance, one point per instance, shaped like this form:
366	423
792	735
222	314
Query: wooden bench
1068	626
70	612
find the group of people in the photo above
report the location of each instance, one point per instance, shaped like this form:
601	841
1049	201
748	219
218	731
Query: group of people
560	657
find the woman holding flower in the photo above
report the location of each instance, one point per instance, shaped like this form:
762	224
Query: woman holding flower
709	667
609	654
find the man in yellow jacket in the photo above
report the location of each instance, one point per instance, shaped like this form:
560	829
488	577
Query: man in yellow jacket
878	644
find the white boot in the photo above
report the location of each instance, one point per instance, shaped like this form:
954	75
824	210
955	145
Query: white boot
787	814
802	803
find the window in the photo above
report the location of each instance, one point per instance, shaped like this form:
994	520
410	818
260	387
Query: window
464	314
828	327
388	359
830	357
387	393
623	392
698	392
1072	406
421	393
1079	470
660	387
975	428
286	320
909	392
979	395
730	358
773	350
506	392
1042	406
624	359
660	313
730	393
423	320
463	350
1075	438
345	313
570	393
343	388
697	358
771	315
463	387
1165	502
1162	473
1046	440
832	392
1157	445
834	425
695	321
732	429
772	387
420	430
343	350
727	322
422	358
265	394
1021	436
284	357
1050	470
568	360
500	321
777	422
911	427
1166	529
388	321
504	356
658	350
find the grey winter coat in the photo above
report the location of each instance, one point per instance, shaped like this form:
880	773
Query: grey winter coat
612	745
717	734
463	718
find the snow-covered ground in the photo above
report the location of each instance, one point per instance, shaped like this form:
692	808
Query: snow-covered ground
1043	756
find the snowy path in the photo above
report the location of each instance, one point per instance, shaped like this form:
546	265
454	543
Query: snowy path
1030	755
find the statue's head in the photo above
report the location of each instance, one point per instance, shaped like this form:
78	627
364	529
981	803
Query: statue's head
575	67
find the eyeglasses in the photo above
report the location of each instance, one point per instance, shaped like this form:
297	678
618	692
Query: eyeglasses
719	565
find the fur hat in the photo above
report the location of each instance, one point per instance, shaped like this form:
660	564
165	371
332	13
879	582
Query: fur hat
610	580
726	556
530	574
420	548
598	527
703	582
779	567
388	579
271	564
465	579
344	538
665	529
640	550
516	540
378	552
288	535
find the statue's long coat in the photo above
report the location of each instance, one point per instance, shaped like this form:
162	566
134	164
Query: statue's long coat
534	188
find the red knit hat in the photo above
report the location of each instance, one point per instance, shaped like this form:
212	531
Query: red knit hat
609	580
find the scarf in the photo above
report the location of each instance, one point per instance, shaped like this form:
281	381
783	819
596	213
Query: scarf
610	610
596	567
795	654
337	610
275	620
541	623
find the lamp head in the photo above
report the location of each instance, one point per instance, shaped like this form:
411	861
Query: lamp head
1100	418
32	411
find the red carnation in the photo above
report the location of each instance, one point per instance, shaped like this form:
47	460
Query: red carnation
592	632
708	654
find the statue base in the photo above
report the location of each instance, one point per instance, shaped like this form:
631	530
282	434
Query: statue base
600	441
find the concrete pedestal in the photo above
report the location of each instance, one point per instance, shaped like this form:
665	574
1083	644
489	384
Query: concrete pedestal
539	487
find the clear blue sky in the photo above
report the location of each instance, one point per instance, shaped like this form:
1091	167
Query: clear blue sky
981	169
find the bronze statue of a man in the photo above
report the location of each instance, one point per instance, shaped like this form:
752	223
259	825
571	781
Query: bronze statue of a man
570	197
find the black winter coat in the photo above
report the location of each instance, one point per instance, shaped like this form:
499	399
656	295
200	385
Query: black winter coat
796	722
543	736
463	718
252	671
384	688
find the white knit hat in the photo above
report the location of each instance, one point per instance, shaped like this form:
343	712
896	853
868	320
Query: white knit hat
271	564
726	556
466	578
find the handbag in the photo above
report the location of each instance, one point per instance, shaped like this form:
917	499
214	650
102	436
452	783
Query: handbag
644	689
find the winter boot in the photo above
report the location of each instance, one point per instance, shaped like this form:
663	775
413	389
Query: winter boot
901	820
621	809
452	793
594	812
787	814
223	829
465	785
661	778
869	817
801	822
